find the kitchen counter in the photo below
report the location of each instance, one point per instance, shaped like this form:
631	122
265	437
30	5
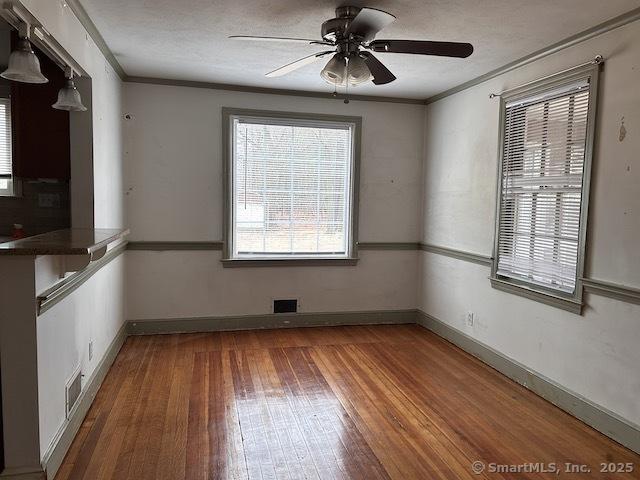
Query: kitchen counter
73	241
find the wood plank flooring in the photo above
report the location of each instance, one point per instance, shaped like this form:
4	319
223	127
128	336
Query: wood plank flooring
366	402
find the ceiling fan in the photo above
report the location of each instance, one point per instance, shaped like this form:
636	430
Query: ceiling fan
351	36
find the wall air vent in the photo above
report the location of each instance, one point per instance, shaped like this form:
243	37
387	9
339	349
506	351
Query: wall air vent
285	306
72	391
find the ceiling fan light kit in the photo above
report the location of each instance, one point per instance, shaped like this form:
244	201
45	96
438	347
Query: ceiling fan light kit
342	70
352	34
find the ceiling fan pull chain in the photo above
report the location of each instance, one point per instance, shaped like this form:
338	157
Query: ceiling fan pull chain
346	87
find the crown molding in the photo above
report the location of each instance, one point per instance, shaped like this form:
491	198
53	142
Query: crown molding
604	27
84	18
269	91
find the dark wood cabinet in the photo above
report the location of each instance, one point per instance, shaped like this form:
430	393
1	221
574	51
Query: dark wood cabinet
40	133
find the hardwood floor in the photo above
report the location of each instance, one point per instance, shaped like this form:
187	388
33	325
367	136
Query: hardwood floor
374	402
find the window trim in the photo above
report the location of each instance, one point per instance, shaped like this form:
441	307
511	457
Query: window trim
13	187
227	155
570	302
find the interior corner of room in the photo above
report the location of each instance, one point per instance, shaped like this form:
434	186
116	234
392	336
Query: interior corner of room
419	256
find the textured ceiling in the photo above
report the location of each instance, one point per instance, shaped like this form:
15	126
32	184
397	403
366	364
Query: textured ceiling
187	39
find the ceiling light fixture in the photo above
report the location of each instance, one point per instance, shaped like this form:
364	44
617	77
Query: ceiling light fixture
24	65
335	71
357	69
342	69
69	97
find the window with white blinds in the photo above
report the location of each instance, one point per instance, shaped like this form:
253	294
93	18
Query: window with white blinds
541	188
291	188
6	162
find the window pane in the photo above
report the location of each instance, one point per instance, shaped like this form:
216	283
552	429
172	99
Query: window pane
291	187
541	194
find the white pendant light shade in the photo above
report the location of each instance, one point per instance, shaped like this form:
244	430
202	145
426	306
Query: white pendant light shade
69	98
358	70
335	71
24	65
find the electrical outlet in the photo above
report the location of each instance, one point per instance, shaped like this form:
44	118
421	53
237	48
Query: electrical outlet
470	319
90	350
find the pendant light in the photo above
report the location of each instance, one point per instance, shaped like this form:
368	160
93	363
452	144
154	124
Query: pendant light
69	97
24	65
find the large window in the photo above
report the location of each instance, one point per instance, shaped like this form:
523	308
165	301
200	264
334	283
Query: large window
543	191
6	157
291	186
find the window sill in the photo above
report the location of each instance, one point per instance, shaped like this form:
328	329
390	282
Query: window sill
288	262
548	298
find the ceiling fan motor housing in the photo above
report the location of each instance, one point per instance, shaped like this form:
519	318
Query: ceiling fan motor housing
333	30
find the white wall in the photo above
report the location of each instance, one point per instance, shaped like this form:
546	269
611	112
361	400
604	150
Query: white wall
174	193
94	312
595	355
60	22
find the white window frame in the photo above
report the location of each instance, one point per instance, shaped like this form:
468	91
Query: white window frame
572	302
10	190
295	118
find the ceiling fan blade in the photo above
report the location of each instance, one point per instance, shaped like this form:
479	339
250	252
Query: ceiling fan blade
443	49
381	74
278	39
368	22
290	67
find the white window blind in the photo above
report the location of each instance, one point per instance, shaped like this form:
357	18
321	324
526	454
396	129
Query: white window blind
5	139
541	188
291	188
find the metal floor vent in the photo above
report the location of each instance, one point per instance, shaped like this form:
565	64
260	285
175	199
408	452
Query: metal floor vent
72	391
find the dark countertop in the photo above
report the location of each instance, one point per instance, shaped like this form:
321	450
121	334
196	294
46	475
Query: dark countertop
73	241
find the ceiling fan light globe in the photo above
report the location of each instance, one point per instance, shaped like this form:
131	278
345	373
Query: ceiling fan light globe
24	65
358	71
335	71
